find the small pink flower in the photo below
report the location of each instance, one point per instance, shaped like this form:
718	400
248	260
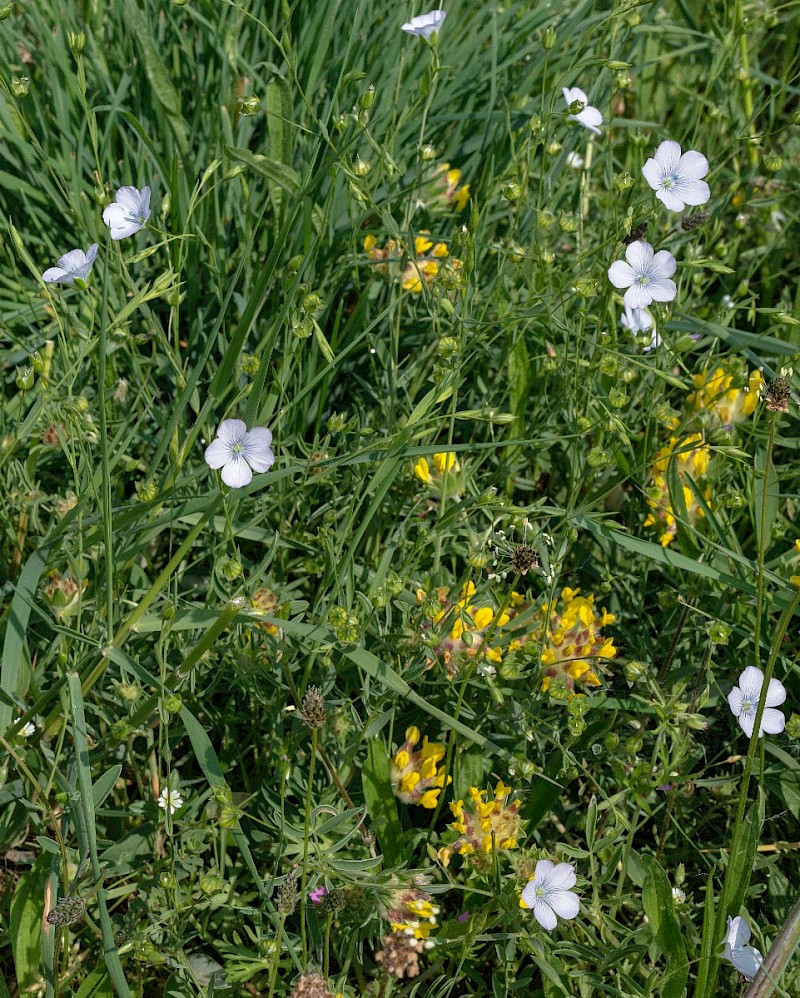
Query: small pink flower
318	894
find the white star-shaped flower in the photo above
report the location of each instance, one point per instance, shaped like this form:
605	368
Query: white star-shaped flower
743	700
588	116
677	179
128	213
424	25
240	452
72	266
548	895
645	275
170	800
746	959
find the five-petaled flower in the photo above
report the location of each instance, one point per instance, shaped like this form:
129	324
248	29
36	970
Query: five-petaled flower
677	179
425	25
746	959
170	800
588	116
548	895
646	275
128	213
240	452
743	700
72	266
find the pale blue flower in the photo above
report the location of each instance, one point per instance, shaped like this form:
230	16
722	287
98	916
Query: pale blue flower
240	452
128	213
72	266
424	25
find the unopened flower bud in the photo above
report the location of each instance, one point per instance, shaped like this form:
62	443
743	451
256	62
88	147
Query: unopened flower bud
623	181
448	346
568	222
511	191
294	264
549	38
367	99
427	153
173	703
773	162
36	361
634	671
622	81
553	148
5	10
586	287
361	167
618	397
231	569
25	378
77	41
249	106
20	86
146	491
211	883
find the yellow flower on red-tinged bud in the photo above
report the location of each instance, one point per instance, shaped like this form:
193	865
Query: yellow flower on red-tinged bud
488	823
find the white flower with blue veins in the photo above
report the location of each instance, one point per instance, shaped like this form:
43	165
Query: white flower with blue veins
588	116
676	178
72	266
128	213
646	275
424	25
746	959
240	452
549	896
743	701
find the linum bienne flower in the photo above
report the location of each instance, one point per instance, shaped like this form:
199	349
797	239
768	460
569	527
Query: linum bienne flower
424	25
240	452
548	894
128	213
646	275
676	178
743	700
746	959
588	116
73	266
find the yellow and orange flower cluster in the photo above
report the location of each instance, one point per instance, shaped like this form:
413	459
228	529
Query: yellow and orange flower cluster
486	824
415	776
413	271
721	392
570	636
467	637
692	457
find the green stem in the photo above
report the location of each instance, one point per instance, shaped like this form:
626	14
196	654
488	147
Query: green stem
306	831
273	971
105	486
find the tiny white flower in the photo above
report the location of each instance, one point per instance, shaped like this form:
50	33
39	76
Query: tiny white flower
588	116
676	178
240	452
548	895
678	896
727	302
655	342
574	160
746	959
646	275
72	265
743	700
424	25
128	213
170	800
28	729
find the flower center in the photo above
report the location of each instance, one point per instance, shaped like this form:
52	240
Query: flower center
238	448
668	181
747	706
643	279
540	892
